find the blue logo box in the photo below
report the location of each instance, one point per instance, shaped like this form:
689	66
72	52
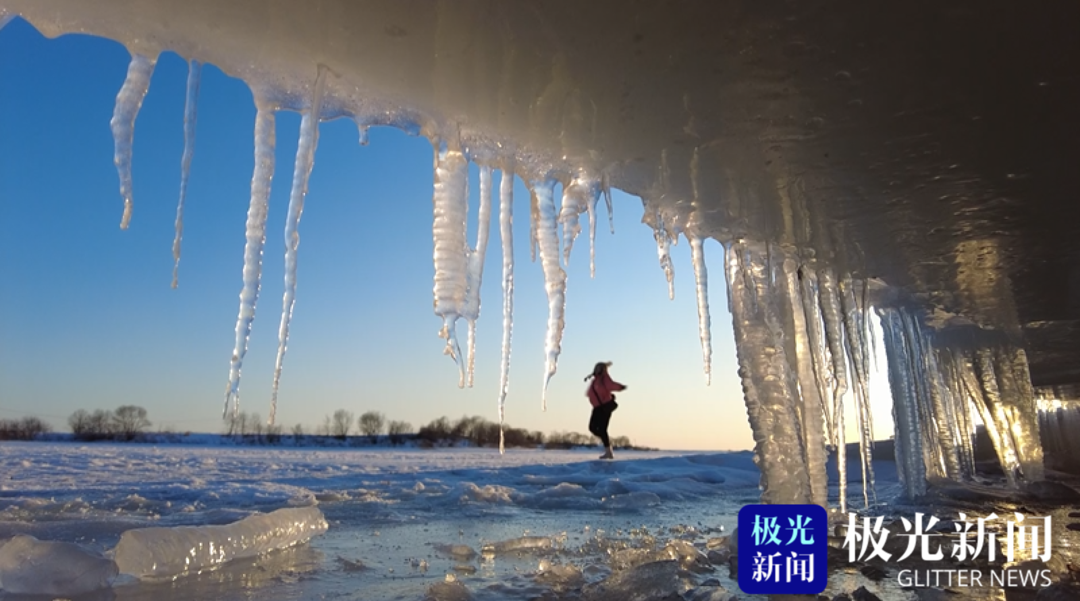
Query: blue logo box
783	549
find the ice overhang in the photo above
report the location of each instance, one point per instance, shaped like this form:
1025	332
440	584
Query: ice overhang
930	145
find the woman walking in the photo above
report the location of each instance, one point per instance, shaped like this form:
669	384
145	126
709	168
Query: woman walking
603	401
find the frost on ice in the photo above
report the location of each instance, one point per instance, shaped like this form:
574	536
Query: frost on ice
450	201
128	102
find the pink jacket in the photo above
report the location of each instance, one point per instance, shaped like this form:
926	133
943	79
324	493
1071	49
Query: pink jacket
600	389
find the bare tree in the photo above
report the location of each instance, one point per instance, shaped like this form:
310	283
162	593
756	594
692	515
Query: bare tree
371	425
257	428
130	421
100	425
80	423
342	424
397	431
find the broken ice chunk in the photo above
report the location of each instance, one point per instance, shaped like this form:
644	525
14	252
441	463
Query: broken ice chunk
30	566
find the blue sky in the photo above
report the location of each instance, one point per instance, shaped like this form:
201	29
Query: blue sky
88	318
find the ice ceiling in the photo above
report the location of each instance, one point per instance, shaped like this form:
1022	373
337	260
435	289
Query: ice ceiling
913	156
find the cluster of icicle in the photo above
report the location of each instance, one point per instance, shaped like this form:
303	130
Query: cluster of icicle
128	102
937	386
801	335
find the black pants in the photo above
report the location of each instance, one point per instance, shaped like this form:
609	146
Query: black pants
598	423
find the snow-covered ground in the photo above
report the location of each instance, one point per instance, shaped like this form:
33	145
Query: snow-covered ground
527	524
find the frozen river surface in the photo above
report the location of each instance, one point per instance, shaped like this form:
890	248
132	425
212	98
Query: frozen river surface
407	523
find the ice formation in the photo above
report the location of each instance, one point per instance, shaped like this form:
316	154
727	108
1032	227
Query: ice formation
168	553
305	160
253	247
802	310
543	195
450	202
191	102
475	274
128	102
506	233
32	567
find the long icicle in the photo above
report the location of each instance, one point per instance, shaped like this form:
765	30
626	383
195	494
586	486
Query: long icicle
506	233
591	207
128	102
543	191
253	248
828	292
450	204
701	280
475	275
305	160
191	104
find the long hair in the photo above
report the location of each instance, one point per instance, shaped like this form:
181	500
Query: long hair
599	368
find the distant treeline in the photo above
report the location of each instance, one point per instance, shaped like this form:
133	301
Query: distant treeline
131	423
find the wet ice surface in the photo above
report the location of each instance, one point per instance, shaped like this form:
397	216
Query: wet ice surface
408	523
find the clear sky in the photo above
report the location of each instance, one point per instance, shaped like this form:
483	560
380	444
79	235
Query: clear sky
88	319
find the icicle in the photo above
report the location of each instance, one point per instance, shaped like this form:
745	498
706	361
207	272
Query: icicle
191	102
769	387
534	221
543	191
305	160
605	184
701	274
591	207
362	131
816	338
450	201
506	232
663	251
475	275
701	280
578	197
828	293
1019	410
855	347
128	103
253	248
910	462
809	407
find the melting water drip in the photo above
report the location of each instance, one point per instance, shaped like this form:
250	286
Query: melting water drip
543	195
450	200
305	161
253	247
475	274
191	102
506	233
128	102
